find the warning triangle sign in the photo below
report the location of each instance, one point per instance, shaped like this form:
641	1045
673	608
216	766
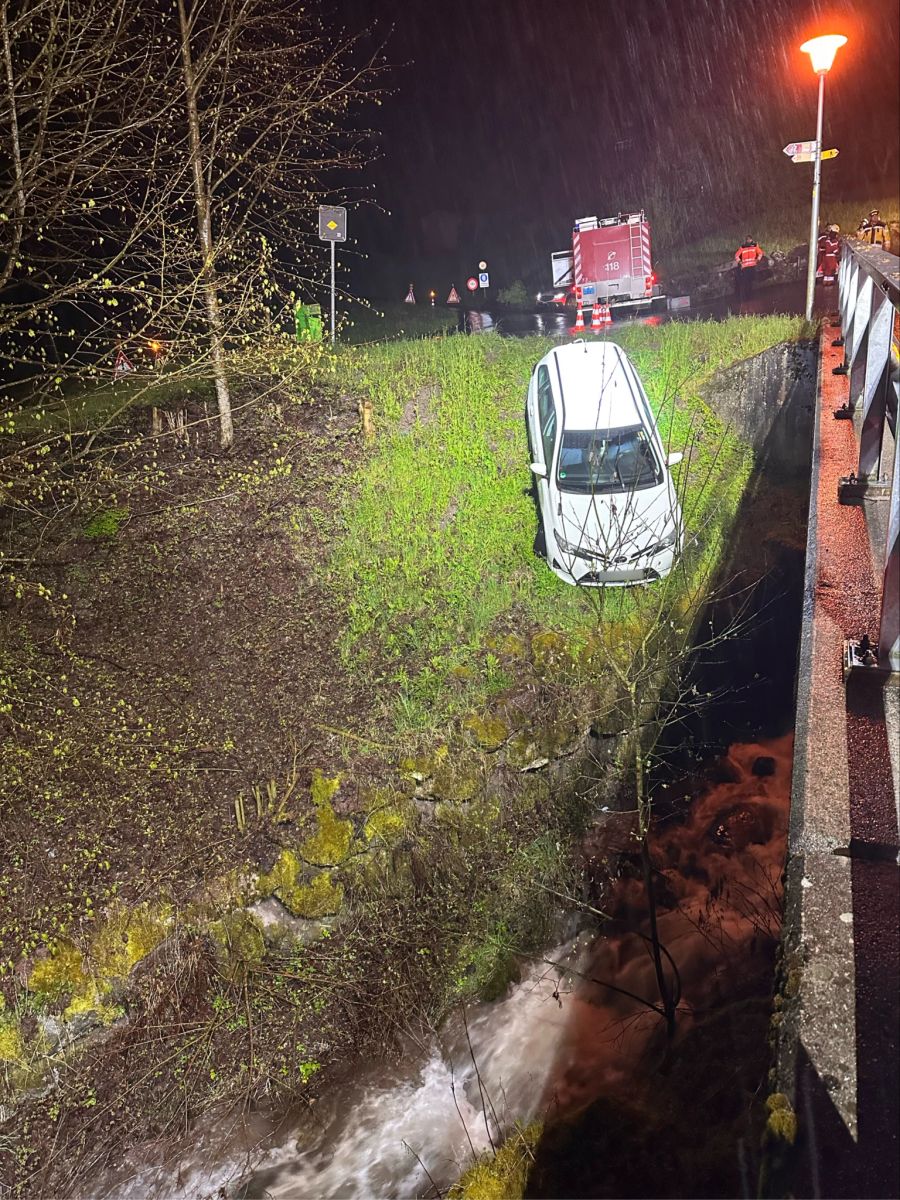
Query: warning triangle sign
122	365
410	297
453	298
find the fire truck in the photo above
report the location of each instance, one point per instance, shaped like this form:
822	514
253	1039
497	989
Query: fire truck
609	261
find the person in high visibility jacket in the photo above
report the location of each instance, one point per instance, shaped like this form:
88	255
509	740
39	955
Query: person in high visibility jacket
829	249
872	229
746	259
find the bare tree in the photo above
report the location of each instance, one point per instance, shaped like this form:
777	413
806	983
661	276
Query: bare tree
163	164
648	637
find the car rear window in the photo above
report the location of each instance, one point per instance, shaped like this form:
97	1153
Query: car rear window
607	460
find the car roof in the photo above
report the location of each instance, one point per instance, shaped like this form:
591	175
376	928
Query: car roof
598	385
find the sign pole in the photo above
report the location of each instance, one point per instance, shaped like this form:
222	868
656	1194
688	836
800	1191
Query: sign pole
814	220
332	228
332	295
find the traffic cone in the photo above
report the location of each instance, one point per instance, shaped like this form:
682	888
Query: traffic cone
579	319
605	315
596	322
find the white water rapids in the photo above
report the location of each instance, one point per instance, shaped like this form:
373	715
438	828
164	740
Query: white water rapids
363	1138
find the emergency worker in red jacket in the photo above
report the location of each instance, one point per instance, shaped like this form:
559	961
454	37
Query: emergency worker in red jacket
746	259
829	249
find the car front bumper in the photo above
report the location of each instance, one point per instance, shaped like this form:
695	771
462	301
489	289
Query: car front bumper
593	573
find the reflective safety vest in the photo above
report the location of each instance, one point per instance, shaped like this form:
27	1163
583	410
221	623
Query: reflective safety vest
873	232
748	256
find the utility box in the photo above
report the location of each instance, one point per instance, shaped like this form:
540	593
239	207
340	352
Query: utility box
308	322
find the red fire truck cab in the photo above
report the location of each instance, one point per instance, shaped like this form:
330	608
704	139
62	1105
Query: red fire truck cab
610	261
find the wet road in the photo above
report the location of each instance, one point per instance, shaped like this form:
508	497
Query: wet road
779	298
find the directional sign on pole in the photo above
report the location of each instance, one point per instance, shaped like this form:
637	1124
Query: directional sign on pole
793	148
811	157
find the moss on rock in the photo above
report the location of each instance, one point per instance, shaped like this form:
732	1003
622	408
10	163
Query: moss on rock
458	780
127	936
61	974
238	937
782	1120
387	820
330	844
488	731
313	899
501	1176
549	652
11	1046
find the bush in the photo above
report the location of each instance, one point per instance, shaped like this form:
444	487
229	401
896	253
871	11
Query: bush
515	296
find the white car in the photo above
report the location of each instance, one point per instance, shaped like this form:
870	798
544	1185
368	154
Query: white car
608	508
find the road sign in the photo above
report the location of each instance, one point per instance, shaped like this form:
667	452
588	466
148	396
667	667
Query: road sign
484	280
793	148
123	365
472	283
811	157
332	223
410	296
453	298
482	266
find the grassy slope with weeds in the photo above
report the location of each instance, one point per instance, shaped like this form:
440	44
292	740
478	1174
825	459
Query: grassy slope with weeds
312	670
436	562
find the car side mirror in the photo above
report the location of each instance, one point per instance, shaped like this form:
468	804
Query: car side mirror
539	469
674	458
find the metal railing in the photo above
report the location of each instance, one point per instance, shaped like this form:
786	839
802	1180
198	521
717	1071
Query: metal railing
869	298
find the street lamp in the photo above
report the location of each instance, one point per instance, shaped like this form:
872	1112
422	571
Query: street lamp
821	51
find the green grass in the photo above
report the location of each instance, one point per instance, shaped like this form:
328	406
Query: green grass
437	551
384	322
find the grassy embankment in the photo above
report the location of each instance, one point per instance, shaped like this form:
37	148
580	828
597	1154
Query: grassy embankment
778	231
313	672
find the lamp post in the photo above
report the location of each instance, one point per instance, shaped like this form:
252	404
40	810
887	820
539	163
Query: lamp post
821	51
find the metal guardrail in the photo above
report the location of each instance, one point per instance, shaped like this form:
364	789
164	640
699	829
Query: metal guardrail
869	298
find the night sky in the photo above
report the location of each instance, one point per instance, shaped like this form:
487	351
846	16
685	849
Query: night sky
509	119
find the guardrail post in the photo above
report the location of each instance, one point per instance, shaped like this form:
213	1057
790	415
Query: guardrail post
874	385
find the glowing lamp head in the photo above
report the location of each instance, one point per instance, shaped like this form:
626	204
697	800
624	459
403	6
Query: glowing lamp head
822	50
155	346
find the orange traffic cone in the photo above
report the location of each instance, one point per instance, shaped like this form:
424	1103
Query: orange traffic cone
596	322
605	315
579	319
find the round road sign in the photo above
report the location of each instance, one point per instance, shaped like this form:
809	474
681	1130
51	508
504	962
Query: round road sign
482	266
472	283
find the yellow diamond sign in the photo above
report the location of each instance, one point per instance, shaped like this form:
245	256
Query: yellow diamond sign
332	223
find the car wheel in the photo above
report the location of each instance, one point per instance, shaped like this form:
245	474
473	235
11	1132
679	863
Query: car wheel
540	541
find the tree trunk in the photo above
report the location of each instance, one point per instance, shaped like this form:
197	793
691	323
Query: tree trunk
19	184
204	228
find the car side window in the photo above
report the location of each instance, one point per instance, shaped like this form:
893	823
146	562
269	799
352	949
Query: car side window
546	414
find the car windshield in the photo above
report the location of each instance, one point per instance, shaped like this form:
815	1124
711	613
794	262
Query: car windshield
607	460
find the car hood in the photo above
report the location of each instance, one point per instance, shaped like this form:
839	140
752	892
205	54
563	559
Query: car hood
619	524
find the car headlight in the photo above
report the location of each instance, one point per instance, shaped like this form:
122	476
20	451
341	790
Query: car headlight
581	550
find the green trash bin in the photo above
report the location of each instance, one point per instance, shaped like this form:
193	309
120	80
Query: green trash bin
308	322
